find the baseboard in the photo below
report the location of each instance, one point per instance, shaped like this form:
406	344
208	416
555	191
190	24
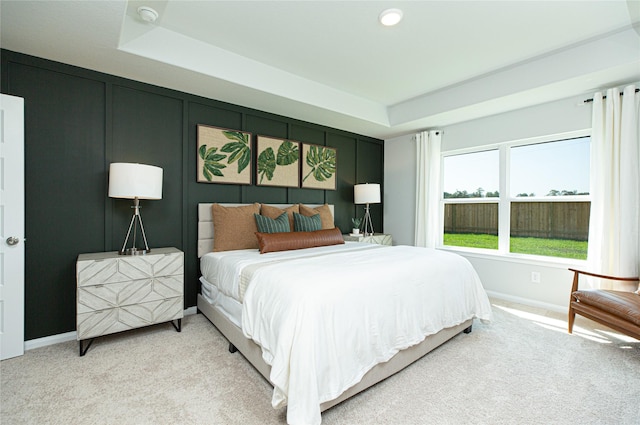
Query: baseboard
71	336
529	302
49	340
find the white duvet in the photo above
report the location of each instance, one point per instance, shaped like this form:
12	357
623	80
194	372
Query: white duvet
223	269
324	321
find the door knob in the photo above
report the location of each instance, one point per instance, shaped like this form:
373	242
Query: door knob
12	240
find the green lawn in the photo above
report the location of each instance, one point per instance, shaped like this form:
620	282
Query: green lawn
533	246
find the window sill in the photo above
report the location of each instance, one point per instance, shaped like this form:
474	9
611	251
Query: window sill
555	262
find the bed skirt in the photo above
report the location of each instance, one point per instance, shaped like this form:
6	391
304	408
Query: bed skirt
253	353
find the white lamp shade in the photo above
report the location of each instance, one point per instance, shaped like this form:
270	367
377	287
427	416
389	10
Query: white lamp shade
135	181
368	193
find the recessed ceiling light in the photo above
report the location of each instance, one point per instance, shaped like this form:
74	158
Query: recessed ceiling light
147	14
390	17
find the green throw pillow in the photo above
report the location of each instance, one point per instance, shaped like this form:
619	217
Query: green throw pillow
270	225
303	223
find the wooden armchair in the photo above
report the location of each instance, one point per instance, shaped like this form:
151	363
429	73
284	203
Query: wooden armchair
618	310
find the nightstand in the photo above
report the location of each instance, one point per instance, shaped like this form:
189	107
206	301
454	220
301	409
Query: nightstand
377	238
116	293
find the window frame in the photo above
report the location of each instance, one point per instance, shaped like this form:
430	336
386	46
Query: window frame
505	199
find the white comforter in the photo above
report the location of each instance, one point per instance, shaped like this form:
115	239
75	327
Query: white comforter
223	269
324	321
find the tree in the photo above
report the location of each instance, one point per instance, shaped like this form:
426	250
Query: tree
478	193
460	194
565	192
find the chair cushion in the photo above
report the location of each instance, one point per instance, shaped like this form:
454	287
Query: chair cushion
625	305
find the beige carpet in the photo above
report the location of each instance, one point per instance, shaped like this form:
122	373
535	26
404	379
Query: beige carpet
523	368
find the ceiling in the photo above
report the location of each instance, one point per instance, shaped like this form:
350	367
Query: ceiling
333	63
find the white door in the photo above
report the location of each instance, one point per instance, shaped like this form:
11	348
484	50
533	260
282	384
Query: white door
11	226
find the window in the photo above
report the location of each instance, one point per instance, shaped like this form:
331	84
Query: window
527	198
471	199
557	168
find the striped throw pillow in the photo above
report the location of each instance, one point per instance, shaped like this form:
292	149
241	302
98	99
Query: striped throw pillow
303	223
270	225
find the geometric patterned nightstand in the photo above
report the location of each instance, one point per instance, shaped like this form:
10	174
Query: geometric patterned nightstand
120	292
377	238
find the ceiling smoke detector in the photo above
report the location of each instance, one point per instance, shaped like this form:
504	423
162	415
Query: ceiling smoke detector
147	14
390	17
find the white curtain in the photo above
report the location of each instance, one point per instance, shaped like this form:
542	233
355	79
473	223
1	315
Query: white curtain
614	245
427	188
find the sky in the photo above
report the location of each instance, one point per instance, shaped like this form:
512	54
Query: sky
535	169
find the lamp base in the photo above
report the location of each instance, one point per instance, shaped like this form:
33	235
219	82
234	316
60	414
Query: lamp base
368	225
134	224
134	251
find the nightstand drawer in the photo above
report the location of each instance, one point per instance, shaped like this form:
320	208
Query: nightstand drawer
93	269
104	296
103	322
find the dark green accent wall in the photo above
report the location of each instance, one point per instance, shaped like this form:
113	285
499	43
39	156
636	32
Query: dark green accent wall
78	121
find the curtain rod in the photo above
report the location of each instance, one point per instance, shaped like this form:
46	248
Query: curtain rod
604	97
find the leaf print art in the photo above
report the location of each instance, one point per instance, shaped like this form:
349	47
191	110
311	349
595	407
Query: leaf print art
319	168
266	164
219	150
240	150
322	162
211	159
288	153
278	162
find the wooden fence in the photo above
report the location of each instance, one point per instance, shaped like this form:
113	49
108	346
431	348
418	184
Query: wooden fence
549	220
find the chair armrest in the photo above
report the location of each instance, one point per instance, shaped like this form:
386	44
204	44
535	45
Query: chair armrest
577	273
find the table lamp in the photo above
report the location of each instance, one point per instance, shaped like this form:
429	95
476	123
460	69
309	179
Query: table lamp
367	194
135	181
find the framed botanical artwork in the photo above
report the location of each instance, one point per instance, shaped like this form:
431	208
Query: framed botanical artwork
319	167
278	162
224	156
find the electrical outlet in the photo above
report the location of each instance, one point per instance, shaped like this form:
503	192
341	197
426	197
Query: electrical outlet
535	277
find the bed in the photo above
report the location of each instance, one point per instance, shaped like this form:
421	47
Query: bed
285	310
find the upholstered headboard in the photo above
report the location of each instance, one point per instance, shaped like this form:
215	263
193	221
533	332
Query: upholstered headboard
205	223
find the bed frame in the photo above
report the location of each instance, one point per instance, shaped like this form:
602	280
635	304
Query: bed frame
253	353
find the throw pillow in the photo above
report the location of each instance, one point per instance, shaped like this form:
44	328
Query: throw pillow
274	212
234	227
302	223
272	242
325	214
269	225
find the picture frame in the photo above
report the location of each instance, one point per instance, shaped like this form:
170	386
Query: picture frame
278	162
319	167
224	155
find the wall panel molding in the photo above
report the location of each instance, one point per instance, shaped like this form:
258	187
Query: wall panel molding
78	121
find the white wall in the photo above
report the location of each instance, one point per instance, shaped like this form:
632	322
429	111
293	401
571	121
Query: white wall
399	201
505	278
